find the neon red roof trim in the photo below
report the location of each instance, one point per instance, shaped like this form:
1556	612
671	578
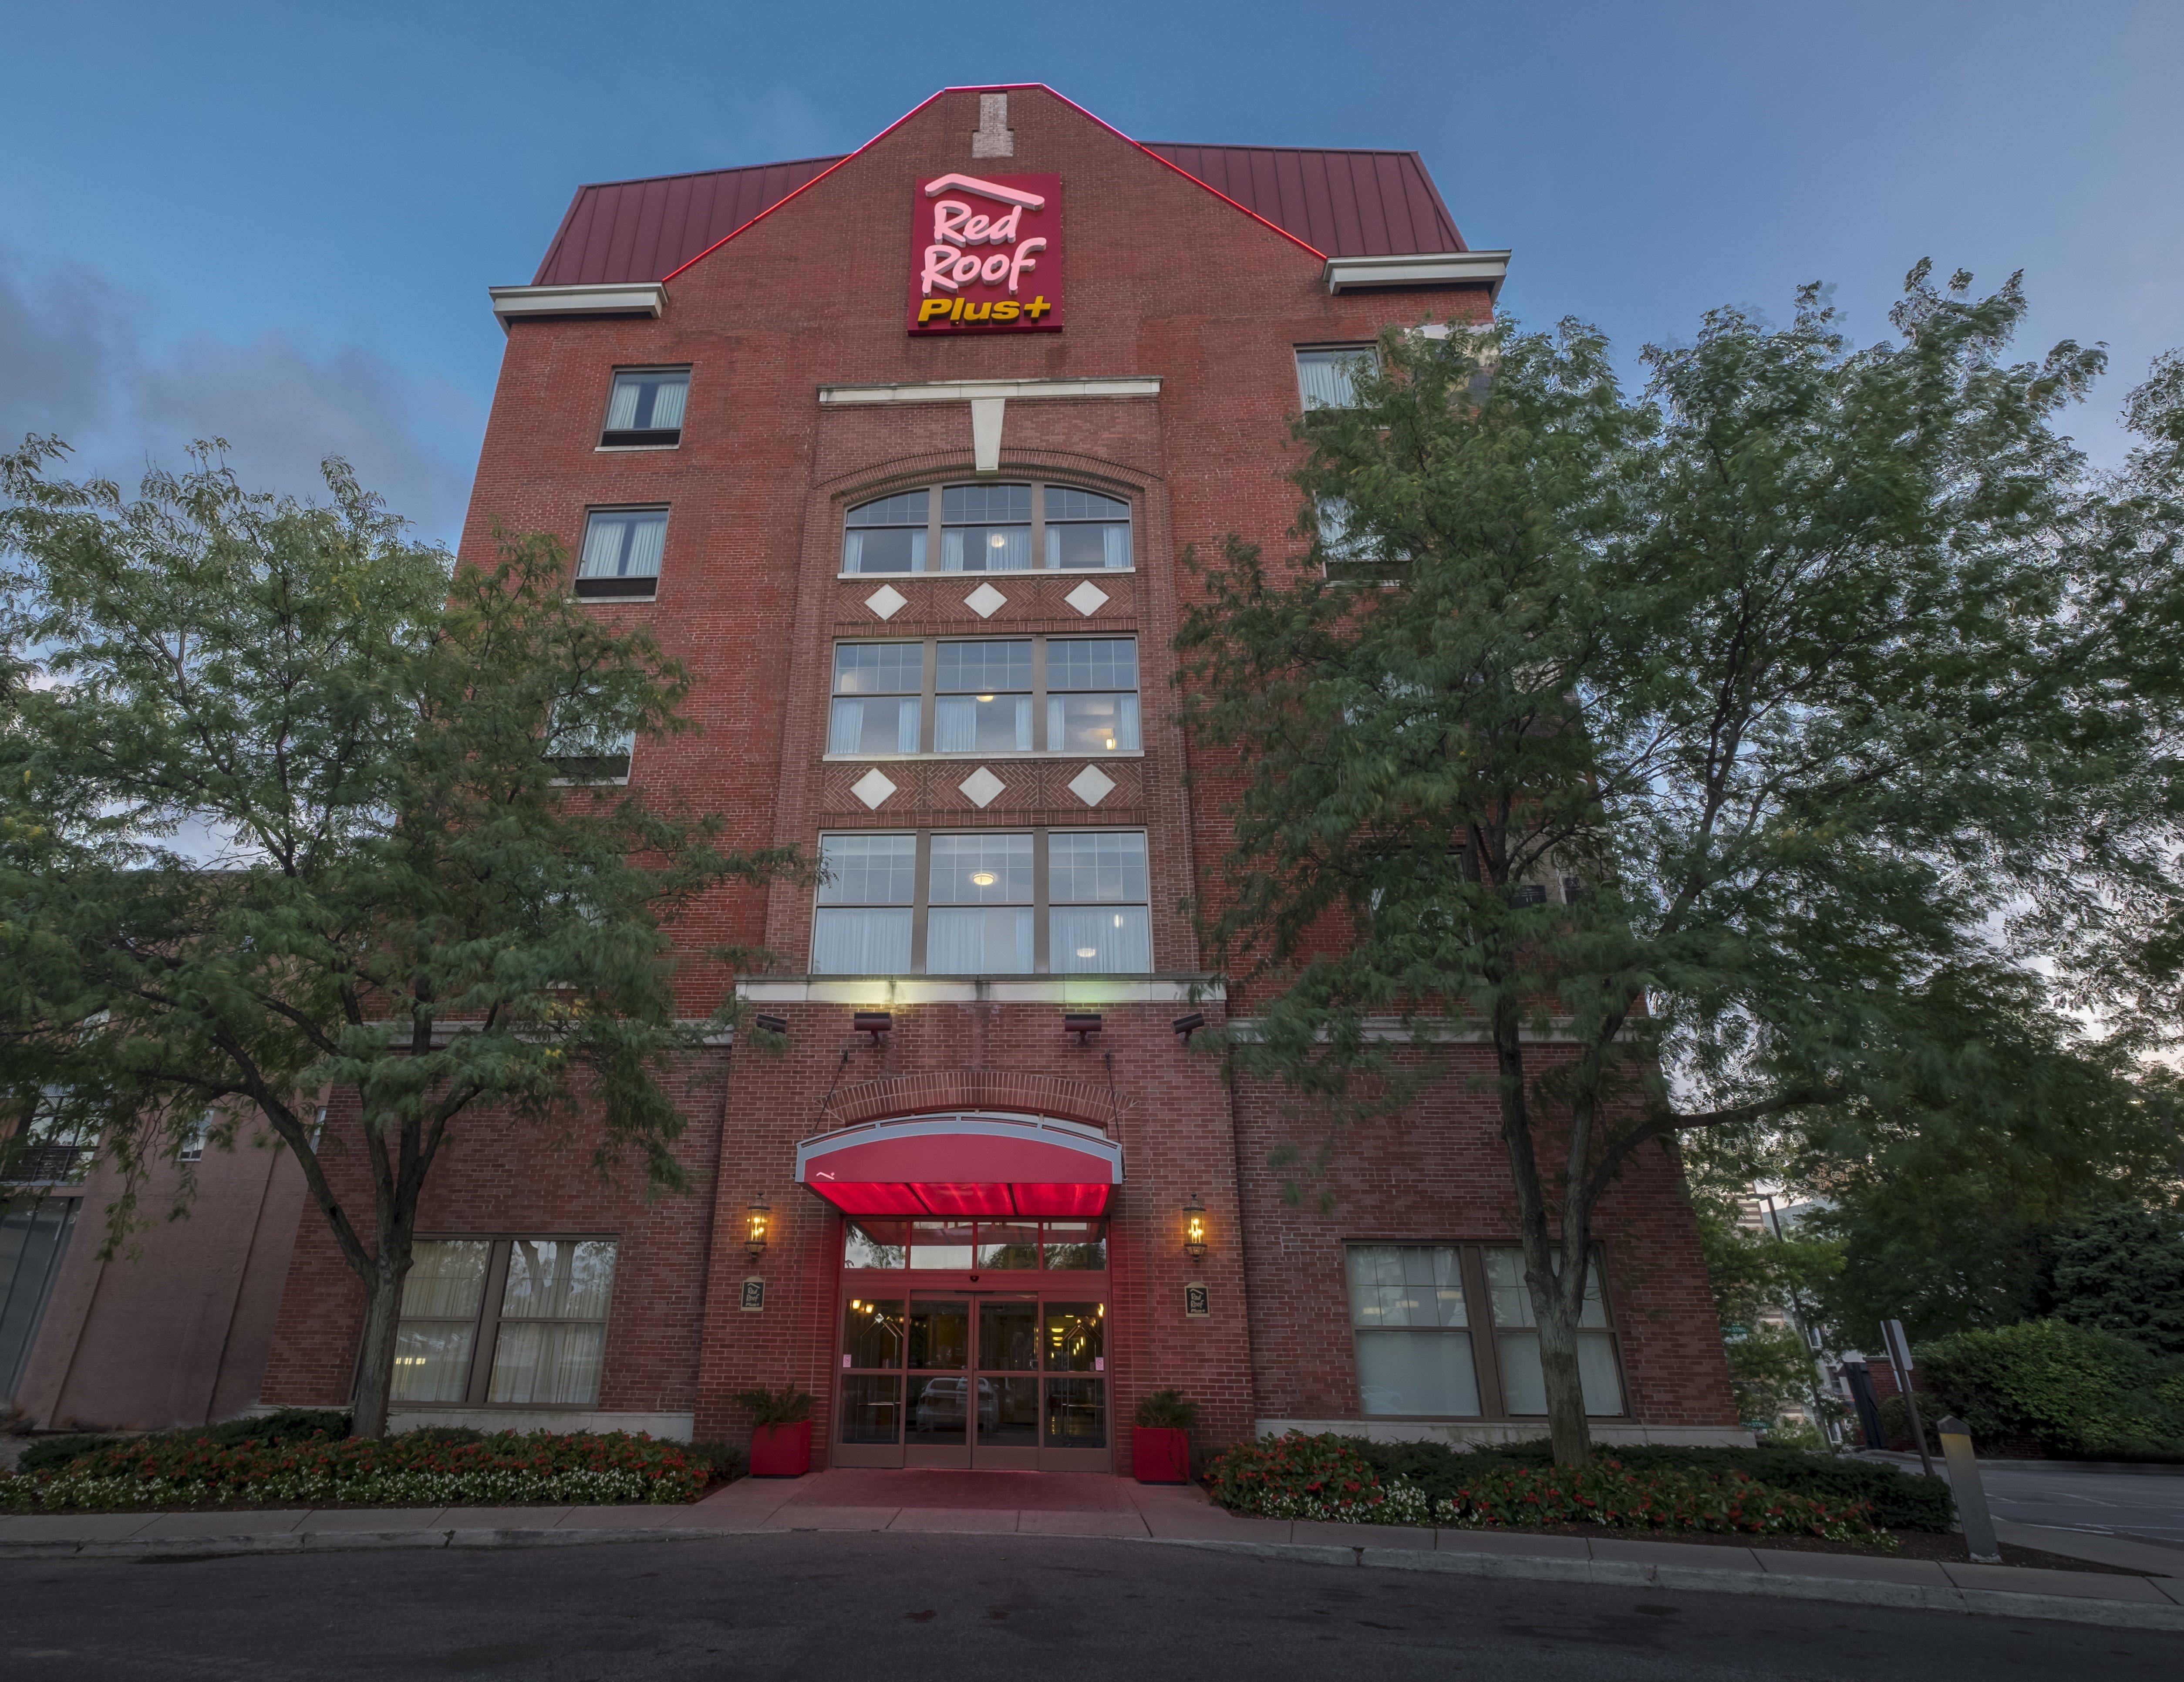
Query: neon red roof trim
963	1164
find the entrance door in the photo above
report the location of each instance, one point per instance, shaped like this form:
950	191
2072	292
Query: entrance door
1000	1379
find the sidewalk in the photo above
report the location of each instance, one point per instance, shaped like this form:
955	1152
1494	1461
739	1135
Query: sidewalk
1051	1504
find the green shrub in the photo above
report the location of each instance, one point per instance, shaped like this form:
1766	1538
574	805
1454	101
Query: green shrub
1331	1477
1168	1410
46	1454
724	1461
1899	1501
2078	1392
582	1468
444	1434
286	1425
783	1406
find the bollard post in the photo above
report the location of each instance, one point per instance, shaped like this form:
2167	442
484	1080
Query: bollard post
1964	1485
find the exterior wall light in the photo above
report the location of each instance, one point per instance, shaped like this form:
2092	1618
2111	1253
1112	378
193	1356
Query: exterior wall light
1081	1023
874	1022
761	1218
1193	1229
766	1024
1185	1026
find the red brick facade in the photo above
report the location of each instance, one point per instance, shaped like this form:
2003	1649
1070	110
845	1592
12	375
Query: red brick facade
1167	280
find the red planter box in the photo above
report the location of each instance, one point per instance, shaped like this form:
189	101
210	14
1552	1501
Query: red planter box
1160	1454
781	1451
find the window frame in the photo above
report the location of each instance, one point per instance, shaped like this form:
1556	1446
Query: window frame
485	1339
627	439
622	587
1041	904
930	695
1481	1328
1299	352
935	521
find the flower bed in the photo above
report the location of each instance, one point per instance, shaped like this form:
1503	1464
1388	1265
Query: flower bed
423	1469
1325	1477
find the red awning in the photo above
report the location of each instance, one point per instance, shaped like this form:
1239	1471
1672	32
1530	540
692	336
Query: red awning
963	1164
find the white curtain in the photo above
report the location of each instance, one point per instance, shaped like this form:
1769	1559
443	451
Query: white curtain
602	549
972	549
433	1361
1524	1387
861	942
1415	1372
852	722
667	402
550	1362
1082	724
622	412
1324	377
1116	541
978	940
648	537
1099	940
956	718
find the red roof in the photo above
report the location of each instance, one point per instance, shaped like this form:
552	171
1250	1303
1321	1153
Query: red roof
1342	203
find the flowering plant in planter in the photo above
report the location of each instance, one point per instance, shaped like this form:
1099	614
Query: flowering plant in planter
1160	1446
781	1430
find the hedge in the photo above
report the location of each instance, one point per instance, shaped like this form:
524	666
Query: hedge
2078	1392
286	1425
1329	1477
422	1469
1899	1501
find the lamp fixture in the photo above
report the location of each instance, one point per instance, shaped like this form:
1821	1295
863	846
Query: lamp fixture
761	1218
1185	1026
874	1022
982	878
766	1024
1081	1023
1193	1229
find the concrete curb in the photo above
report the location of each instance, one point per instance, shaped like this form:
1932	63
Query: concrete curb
1529	1568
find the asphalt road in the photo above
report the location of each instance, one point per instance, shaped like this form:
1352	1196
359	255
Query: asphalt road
901	1607
2149	1505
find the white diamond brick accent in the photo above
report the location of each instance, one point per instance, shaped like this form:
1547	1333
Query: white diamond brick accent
887	601
1088	598
1091	785
980	786
873	787
985	601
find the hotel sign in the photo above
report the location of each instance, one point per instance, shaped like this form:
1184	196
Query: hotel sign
986	254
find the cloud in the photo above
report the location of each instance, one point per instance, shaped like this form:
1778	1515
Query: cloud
75	362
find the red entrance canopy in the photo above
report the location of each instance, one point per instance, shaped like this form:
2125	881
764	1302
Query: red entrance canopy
963	1164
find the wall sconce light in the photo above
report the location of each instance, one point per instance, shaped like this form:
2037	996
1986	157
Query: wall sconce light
766	1024
874	1022
754	1240
1081	1023
1193	1229
1185	1026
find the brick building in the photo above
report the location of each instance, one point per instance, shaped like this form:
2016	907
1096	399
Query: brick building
781	415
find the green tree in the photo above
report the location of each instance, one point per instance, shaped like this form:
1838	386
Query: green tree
2123	1271
1805	670
294	808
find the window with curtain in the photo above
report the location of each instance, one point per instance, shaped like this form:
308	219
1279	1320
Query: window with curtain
979	895
878	688
985	528
1517	1343
516	1321
1412	1328
621	551
1092	695
1326	374
644	409
983	698
1086	531
868	894
1097	894
886	535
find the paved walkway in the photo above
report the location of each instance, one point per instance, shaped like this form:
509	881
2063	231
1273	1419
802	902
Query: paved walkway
1088	1504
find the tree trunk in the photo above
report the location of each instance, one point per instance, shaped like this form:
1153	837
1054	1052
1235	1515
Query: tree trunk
374	1366
1567	1428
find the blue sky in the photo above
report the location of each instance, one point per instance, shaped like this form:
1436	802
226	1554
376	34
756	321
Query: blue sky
277	222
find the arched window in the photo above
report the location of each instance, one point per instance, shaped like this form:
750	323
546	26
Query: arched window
1007	527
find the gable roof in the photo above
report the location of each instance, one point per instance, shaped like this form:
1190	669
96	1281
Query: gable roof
1340	203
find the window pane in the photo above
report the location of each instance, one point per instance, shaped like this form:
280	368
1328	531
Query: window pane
939	1332
1088	941
871	1410
940	1243
1064	504
981	869
872	1332
549	1361
1082	549
985	549
556	1279
1092	724
1096	865
446	1279
879	668
861	942
982	669
623	543
985	505
1325	378
1008	1337
1076	1413
432	1360
964	724
888	725
1008	1412
867	870
1075	1337
1092	663
647	401
1009	1244
1524	1387
1076	1244
899	549
905	508
1428	1373
977	941
1405	1285
1512	1299
875	1243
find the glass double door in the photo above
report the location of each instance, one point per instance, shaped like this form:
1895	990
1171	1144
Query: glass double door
997	1379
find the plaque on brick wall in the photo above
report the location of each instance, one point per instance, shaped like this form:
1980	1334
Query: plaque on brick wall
1197	1301
753	1296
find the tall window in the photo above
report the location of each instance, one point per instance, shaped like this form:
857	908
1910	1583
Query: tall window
984	902
989	528
1326	374
622	548
519	1321
990	695
644	409
1517	1345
